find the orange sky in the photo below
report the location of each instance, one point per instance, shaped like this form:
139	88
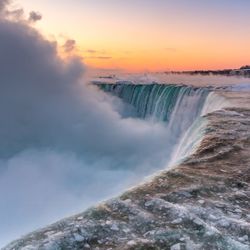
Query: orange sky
150	35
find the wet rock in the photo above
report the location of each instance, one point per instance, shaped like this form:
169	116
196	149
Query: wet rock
201	204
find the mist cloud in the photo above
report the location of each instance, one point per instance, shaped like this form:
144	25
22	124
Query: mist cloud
16	14
64	144
34	16
69	45
3	5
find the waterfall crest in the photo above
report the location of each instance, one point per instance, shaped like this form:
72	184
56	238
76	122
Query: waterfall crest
159	101
179	107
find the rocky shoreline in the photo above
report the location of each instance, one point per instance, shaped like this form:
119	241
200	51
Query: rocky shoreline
204	203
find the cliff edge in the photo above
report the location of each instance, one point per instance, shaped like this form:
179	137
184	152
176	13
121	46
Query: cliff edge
204	203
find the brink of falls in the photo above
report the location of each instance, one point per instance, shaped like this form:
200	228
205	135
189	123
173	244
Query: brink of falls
201	202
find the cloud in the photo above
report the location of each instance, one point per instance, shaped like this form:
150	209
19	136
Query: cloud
97	54
171	49
5	12
104	57
63	143
34	16
10	12
99	57
91	51
3	5
69	45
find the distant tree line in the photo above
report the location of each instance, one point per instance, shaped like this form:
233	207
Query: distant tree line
242	71
245	67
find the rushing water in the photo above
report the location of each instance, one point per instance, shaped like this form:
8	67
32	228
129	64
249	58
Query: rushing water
178	107
115	152
159	101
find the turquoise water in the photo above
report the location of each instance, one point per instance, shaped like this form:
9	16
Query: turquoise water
159	101
178	107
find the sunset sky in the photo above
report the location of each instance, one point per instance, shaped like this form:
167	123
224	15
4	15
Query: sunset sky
150	35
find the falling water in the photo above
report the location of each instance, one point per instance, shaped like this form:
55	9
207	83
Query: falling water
178	107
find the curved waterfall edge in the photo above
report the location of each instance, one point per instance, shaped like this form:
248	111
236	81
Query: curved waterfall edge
192	138
146	216
182	108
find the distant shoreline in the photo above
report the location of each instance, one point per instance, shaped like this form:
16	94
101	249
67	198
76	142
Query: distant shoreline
243	71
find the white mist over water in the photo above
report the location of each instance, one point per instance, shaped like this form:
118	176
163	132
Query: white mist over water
238	82
64	145
178	107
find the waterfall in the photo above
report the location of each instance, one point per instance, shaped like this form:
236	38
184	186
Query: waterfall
179	107
194	134
214	102
158	101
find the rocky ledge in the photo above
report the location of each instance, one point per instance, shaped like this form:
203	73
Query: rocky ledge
204	203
